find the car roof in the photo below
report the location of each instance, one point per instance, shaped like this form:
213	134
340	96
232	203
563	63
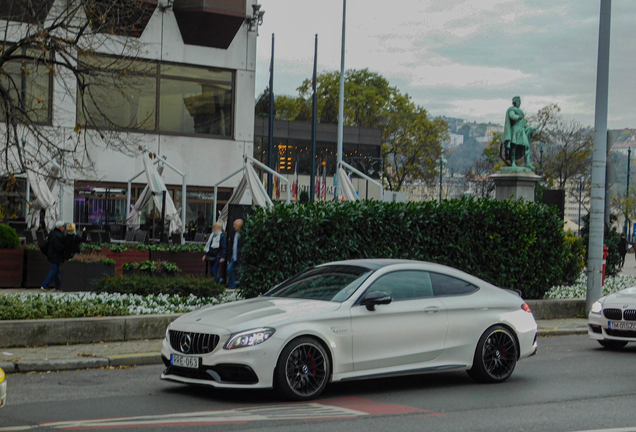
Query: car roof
377	263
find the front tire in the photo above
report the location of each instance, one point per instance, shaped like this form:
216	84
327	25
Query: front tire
612	344
495	356
303	370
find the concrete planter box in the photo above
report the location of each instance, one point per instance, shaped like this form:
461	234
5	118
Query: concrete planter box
36	268
556	309
122	258
11	266
79	276
188	262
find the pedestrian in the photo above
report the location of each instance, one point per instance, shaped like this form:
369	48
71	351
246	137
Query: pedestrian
235	260
216	250
55	254
622	248
73	242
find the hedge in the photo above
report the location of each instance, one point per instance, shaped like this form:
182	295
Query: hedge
8	238
512	244
148	284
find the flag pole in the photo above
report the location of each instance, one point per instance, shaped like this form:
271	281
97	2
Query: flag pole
341	95
270	135
314	121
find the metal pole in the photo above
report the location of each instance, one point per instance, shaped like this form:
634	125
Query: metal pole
599	160
580	199
163	214
183	207
270	148
441	173
341	94
629	160
314	121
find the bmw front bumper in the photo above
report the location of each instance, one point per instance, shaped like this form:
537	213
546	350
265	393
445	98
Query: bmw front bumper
598	329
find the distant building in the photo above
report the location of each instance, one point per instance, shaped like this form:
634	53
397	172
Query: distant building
453	140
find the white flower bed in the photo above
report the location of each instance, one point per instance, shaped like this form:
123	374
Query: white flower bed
135	304
579	289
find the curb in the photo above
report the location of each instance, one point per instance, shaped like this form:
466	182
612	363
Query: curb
562	332
57	365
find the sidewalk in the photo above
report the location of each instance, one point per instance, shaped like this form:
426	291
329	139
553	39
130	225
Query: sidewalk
136	353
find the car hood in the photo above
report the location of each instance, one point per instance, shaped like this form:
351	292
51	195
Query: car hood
258	312
622	298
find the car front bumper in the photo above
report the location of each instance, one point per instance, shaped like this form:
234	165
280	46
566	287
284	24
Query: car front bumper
598	329
250	367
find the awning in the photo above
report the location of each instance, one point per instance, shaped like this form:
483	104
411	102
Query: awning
348	191
157	188
44	200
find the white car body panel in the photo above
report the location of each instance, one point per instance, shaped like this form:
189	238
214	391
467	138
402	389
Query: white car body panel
404	337
624	300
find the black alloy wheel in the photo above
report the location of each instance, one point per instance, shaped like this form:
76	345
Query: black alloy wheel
495	357
303	369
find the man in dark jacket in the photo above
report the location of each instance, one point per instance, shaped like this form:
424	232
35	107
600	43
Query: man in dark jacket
235	259
622	248
55	255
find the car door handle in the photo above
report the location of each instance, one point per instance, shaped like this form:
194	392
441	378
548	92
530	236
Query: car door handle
431	310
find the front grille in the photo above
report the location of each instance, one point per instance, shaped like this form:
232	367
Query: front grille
613	314
621	333
629	315
223	373
193	343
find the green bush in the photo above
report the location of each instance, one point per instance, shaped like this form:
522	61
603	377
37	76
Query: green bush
575	258
147	285
152	266
512	244
8	238
610	239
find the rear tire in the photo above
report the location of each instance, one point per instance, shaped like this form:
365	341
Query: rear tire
612	344
303	370
495	356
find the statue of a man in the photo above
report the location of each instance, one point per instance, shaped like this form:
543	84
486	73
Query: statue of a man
517	134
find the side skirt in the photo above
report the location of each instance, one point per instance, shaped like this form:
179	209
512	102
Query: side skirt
418	371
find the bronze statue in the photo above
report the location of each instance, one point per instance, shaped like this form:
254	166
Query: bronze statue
517	137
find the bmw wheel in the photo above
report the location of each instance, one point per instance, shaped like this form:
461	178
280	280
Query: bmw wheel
303	369
495	357
612	344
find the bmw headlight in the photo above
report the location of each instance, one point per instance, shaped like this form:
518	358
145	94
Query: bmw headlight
597	307
249	338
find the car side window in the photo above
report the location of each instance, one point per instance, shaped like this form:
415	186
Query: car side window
404	285
444	285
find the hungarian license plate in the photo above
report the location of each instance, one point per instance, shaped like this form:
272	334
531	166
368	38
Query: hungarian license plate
184	361
621	325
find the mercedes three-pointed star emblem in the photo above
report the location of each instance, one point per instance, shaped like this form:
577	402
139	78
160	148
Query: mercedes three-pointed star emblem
185	343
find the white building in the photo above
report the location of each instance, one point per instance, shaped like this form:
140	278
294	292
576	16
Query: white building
194	104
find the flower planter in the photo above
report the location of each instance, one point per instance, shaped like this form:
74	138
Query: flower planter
188	262
11	266
36	268
122	258
79	276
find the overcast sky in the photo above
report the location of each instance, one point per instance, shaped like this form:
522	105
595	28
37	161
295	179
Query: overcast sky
462	58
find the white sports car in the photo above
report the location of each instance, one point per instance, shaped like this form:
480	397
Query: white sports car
353	320
612	320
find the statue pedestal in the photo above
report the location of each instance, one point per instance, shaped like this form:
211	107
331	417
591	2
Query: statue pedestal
515	184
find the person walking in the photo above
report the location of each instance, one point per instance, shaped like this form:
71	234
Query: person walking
235	261
622	248
215	250
55	255
72	242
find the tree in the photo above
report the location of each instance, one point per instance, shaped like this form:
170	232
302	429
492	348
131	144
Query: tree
411	141
567	146
48	43
479	172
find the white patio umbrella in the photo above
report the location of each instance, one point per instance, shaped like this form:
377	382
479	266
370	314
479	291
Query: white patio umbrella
133	221
157	187
346	187
44	200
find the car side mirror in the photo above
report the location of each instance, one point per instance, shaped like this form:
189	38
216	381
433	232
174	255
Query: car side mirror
377	298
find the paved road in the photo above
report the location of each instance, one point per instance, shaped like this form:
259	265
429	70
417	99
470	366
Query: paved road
571	385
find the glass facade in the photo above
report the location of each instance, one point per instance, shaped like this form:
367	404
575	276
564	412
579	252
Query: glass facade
29	85
153	97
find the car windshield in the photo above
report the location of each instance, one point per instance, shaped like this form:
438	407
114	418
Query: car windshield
329	283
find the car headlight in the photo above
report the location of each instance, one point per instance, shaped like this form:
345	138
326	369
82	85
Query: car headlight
597	307
249	338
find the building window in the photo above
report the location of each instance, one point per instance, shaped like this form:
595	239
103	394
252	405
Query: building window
28	84
164	98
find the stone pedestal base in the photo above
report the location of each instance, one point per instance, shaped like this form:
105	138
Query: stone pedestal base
516	185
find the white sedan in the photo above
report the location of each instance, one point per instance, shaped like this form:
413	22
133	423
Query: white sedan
612	320
353	320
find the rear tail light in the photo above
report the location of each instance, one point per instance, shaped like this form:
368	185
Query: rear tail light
526	308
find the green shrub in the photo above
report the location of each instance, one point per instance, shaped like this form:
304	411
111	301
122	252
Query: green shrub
8	238
147	285
610	239
151	266
574	258
512	244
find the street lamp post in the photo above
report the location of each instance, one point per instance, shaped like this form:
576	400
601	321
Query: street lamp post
580	199
629	162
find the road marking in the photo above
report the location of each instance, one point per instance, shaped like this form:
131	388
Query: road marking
629	429
328	409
